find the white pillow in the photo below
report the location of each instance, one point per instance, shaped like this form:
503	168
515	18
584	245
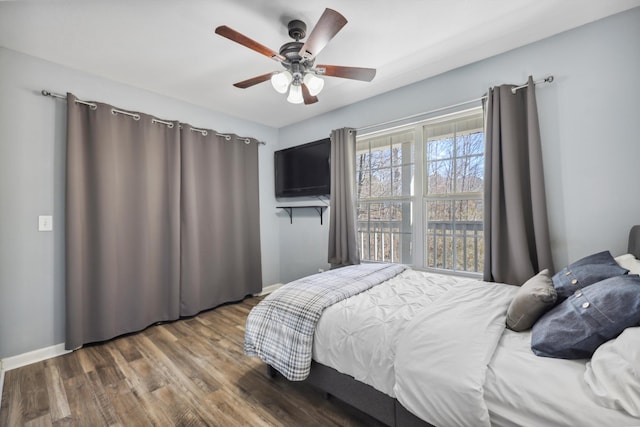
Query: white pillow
613	374
629	262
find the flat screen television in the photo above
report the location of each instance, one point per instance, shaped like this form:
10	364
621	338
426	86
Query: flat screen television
303	170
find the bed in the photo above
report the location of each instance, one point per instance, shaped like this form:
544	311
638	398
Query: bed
412	348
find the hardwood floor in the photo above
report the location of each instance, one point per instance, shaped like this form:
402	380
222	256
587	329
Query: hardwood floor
191	372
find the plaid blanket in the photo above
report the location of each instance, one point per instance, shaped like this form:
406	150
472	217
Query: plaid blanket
280	329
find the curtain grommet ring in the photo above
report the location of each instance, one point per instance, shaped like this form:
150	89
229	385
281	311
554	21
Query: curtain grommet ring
167	124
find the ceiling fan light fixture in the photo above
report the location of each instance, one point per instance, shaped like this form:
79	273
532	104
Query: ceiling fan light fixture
300	79
295	94
281	81
314	83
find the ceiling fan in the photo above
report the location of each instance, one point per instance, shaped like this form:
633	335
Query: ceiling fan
300	76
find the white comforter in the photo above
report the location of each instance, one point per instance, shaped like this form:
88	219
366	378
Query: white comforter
359	335
448	346
460	369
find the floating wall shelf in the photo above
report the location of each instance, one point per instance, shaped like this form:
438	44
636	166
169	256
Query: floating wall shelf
289	209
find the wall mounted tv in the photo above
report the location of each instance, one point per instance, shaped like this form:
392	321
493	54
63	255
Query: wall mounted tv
303	170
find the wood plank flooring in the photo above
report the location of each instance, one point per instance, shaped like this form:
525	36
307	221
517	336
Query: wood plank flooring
191	372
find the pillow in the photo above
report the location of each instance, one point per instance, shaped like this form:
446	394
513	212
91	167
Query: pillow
533	299
584	272
593	315
629	262
613	375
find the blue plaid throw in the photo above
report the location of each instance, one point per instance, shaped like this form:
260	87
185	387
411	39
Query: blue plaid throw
280	329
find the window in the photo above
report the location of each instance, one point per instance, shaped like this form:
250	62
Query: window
384	194
454	163
426	212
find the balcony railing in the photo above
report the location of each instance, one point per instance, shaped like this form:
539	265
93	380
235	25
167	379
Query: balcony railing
451	245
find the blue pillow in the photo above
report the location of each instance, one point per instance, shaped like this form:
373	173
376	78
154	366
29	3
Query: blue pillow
591	316
584	272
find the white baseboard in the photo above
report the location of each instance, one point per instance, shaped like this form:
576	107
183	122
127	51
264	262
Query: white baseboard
34	356
1	385
1	381
13	362
269	289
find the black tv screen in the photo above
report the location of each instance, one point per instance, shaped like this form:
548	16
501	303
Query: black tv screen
303	170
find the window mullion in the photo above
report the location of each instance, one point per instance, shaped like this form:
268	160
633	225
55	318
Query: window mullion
454	228
418	213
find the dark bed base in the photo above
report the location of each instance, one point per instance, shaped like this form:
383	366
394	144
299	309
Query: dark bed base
367	399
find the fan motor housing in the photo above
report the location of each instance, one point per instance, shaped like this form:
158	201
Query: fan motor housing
291	51
297	29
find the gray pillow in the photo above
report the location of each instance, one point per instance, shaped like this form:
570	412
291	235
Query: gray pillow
533	299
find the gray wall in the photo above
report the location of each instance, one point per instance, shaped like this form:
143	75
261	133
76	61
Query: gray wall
305	243
32	156
589	124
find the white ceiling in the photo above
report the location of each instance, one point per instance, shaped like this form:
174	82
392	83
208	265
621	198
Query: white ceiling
169	47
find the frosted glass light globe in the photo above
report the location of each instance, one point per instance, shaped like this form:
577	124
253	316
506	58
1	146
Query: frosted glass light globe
314	83
281	81
295	95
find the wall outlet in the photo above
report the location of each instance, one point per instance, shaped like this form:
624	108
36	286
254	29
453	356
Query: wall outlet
45	223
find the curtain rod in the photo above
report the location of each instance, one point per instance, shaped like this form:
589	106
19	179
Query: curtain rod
547	79
93	106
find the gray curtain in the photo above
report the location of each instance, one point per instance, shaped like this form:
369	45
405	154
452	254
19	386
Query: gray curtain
122	223
517	244
221	259
343	247
160	222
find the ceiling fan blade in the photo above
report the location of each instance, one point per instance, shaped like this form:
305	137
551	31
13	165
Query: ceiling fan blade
327	27
308	98
355	73
253	81
237	37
